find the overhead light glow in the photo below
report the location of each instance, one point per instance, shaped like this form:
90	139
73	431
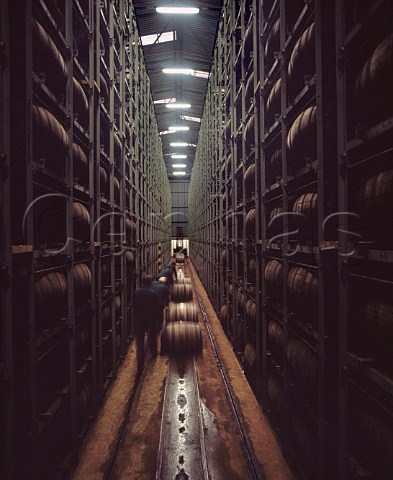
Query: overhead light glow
179	165
165	100
178	156
158	38
165	132
178	173
178	105
181	71
191	119
178	144
177	10
179	128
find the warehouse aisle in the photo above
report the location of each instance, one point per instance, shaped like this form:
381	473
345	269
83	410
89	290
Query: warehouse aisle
198	427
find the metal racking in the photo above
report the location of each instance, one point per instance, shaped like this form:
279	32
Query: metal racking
276	253
364	122
89	214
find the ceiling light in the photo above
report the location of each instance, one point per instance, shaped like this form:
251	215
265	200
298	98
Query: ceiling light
178	156
184	10
179	128
191	119
178	105
179	165
182	71
178	144
178	173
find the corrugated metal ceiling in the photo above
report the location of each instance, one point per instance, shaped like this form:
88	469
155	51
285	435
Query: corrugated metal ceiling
193	48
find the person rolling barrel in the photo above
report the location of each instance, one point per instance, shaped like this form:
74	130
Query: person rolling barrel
148	306
163	289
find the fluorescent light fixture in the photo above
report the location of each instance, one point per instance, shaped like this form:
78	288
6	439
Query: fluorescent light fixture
179	165
181	71
178	173
178	144
156	38
178	156
191	119
177	10
179	128
165	100
178	105
165	132
187	71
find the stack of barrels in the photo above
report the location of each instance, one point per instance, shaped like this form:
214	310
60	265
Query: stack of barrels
182	335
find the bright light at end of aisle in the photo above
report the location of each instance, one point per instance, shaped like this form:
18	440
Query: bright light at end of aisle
178	144
177	10
176	155
179	165
178	173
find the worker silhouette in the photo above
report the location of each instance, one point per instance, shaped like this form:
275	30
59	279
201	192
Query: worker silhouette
148	306
169	272
163	289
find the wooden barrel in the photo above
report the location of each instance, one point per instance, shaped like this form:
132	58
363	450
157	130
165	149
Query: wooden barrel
273	103
50	293
303	362
252	267
82	282
48	60
275	224
181	339
117	304
180	258
272	44
379	331
276	394
275	162
249	135
128	230
81	103
105	271
181	293
249	91
185	312
224	312
104	183
81	165
250	357
230	290
274	279
250	223
302	61
251	310
249	180
116	188
303	290
130	263
302	137
81	219
375	202
183	279
275	335
50	140
373	86
307	221
248	40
